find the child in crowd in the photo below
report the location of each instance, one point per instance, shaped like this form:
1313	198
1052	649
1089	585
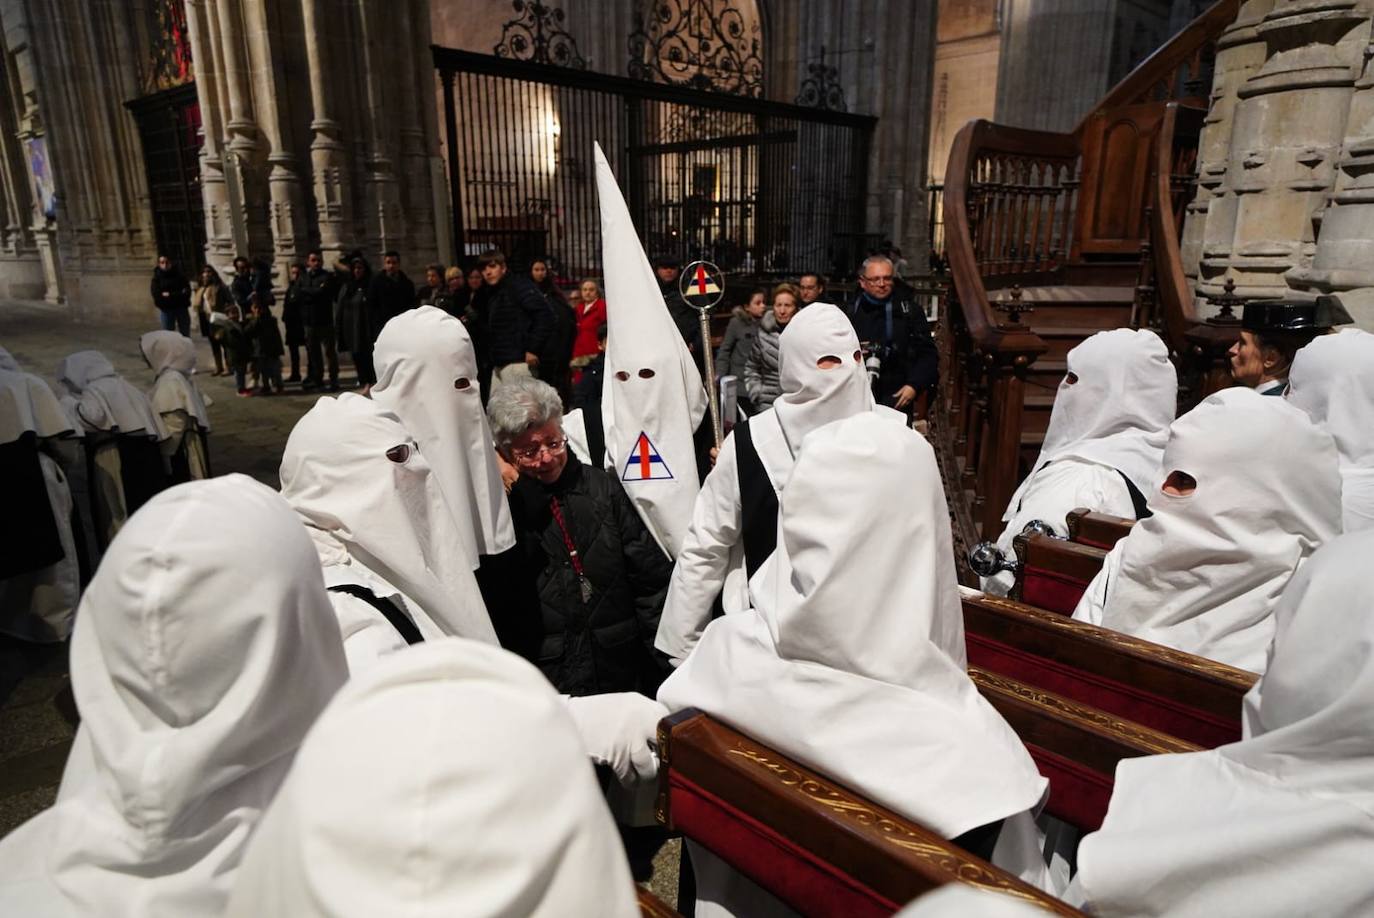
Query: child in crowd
261	328
235	344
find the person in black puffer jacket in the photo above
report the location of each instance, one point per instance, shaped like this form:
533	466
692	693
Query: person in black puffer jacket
588	620
519	323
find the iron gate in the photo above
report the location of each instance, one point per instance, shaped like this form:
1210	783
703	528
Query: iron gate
758	187
169	127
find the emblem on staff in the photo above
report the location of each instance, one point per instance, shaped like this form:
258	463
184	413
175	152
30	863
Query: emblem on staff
702	285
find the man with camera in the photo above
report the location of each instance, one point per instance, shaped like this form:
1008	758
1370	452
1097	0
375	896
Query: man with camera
898	351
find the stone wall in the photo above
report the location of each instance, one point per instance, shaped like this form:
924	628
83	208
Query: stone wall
1285	200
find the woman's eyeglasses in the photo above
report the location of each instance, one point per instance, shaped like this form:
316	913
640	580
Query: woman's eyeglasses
532	453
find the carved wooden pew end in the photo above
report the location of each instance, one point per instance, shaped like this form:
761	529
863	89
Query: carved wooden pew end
1098	530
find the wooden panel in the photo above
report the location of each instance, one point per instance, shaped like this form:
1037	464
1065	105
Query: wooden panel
833	827
1098	530
1117	152
651	906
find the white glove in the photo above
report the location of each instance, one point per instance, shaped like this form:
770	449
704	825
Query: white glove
618	730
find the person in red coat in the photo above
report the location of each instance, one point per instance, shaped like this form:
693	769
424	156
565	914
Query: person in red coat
591	315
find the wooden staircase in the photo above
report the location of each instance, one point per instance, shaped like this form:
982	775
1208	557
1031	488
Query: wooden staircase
1050	238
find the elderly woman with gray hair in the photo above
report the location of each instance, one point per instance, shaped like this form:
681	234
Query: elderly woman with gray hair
582	591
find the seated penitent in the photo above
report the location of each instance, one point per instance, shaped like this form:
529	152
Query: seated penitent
1333	381
1251	489
853	662
1105	439
203	650
393	559
1279	823
124	464
735	519
1271	334
447	780
178	401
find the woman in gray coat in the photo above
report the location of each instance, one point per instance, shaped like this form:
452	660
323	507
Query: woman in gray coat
761	370
738	343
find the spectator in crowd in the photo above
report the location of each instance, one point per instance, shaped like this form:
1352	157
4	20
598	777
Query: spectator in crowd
475	282
211	296
685	316
562	331
812	287
599	576
898	350
261	329
451	294
178	402
519	323
238	350
250	278
317	292
293	317
353	321
761	370
738	344
389	293
172	296
591	319
587	397
429	294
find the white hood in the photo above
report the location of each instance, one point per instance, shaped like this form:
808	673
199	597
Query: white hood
172	357
812	397
1282	822
1118	412
28	405
447	780
652	397
204	648
103	401
7	362
1204	572
391	517
858	627
427	376
1332	379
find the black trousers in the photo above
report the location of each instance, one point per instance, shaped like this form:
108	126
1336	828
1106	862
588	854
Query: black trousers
320	346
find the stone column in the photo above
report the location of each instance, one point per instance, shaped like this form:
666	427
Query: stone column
416	145
243	159
214	190
384	218
1289	124
328	163
1210	222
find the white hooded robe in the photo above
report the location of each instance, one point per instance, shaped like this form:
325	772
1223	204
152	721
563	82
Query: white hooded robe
177	399
1282	822
1111	417
448	780
1332	379
203	650
853	663
1204	573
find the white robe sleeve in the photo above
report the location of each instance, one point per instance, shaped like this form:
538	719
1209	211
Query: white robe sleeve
176	423
707	556
1052	493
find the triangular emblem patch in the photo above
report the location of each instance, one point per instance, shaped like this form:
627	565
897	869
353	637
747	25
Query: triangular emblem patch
644	463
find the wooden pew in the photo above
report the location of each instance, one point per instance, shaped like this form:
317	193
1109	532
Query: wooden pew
1054	573
1176	693
815	845
1074	745
651	906
1099	530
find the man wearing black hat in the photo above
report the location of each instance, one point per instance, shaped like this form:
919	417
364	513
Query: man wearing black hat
685	316
1271	334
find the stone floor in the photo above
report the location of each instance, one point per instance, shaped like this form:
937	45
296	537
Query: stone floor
248	435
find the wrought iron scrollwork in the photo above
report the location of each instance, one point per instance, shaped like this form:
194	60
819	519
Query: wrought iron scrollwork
705	44
822	88
537	35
